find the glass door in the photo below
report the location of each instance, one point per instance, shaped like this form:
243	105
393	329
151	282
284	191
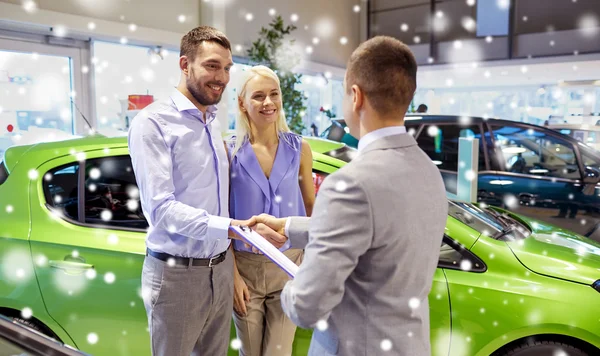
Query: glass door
41	93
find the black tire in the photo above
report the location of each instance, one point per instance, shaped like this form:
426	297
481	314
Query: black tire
532	347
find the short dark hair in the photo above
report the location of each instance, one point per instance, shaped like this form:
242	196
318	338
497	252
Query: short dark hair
386	71
191	40
422	108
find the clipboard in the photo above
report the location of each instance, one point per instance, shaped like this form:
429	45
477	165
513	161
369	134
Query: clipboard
264	246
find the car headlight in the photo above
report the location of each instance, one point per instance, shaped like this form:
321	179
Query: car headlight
596	285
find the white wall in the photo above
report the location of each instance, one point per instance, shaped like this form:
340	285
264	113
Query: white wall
156	20
156	14
158	23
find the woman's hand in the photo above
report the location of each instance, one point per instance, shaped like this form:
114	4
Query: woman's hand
241	295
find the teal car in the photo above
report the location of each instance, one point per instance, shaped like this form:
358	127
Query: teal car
72	245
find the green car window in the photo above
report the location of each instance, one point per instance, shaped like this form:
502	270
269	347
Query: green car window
455	256
3	173
475	217
60	190
111	194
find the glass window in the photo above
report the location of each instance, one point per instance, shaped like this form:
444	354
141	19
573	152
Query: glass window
111	194
320	92
492	18
589	158
10	348
3	173
35	98
475	217
122	74
448	255
230	96
528	151
441	144
60	189
529	104
455	256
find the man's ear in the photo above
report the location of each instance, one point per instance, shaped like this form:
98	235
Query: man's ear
184	64
358	98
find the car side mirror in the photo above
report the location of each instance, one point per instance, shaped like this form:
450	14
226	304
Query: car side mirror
591	177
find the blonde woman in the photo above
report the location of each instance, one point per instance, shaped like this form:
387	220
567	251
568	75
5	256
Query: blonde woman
271	172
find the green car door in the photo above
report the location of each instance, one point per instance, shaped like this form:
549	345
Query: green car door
439	315
89	277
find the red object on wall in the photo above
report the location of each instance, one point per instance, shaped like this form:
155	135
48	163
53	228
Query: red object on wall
10	128
138	102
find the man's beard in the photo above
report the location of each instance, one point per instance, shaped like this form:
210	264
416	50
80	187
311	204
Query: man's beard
201	94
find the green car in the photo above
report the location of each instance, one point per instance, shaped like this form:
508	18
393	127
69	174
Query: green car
72	246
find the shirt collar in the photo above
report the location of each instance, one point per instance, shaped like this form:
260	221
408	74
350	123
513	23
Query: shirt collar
182	103
379	134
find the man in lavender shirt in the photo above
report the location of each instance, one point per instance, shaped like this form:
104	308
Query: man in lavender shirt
182	170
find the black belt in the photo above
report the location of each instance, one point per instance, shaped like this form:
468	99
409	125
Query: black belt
184	261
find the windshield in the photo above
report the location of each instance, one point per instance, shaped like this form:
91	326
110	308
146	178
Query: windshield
488	221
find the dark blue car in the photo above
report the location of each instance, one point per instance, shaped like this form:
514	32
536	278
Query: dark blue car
528	169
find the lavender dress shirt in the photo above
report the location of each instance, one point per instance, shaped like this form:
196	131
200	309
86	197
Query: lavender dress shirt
182	172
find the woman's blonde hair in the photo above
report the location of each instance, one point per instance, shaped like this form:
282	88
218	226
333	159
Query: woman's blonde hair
242	122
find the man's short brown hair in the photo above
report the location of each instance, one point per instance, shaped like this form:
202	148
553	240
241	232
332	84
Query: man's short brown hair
191	40
386	71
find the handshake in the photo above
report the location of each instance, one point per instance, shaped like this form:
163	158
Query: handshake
269	227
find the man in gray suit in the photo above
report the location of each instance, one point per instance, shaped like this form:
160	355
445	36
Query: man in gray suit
372	244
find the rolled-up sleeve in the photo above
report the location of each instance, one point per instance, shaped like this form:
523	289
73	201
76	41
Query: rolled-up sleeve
153	167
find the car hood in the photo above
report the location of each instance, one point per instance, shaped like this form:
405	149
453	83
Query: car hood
558	253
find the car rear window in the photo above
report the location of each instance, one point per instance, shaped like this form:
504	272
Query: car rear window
3	173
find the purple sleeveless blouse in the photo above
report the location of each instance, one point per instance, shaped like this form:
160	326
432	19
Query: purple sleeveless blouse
253	194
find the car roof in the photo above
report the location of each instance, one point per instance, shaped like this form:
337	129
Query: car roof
415	119
44	151
47	150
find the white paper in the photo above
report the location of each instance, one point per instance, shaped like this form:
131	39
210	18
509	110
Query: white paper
264	246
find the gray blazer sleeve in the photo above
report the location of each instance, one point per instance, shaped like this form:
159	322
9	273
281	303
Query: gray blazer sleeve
341	230
298	231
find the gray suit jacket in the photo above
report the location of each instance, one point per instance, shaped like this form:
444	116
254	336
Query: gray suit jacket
372	247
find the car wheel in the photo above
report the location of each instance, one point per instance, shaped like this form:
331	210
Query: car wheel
542	347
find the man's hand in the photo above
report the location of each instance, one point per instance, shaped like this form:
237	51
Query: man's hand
250	222
276	224
276	239
241	295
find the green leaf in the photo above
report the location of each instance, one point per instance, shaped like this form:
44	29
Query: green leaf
263	51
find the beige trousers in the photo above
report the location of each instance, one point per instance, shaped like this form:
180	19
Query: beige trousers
265	330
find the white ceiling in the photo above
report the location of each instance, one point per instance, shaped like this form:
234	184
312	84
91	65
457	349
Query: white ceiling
572	70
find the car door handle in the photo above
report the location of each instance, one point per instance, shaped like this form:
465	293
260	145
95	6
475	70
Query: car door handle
70	266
